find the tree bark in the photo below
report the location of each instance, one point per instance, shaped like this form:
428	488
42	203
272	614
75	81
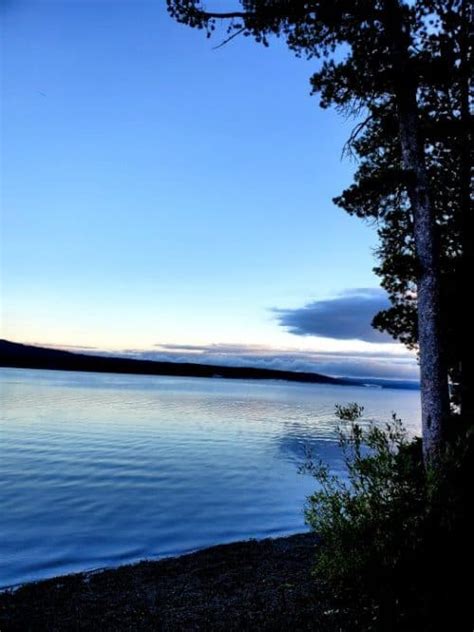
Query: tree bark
433	369
467	221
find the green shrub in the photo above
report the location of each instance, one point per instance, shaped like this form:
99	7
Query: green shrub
394	537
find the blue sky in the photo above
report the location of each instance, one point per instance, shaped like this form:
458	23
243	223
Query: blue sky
157	191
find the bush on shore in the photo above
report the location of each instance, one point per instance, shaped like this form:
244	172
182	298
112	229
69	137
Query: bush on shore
396	547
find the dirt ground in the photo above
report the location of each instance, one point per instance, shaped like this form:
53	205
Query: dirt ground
264	585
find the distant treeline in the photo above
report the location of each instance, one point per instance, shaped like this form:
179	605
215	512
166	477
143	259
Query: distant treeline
17	355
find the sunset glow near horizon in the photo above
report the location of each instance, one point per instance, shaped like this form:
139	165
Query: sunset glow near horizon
168	199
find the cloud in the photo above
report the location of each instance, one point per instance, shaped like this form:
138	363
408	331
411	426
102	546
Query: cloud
346	317
389	365
65	347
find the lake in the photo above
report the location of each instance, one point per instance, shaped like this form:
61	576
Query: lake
100	470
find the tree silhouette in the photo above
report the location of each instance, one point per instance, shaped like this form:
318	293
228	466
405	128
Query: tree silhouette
377	57
379	194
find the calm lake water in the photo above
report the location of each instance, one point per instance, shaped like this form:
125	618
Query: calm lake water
99	470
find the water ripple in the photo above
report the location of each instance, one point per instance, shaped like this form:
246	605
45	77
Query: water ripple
98	470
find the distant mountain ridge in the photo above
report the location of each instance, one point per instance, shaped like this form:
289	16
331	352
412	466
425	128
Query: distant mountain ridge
17	355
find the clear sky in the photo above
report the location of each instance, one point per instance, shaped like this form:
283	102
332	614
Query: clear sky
157	191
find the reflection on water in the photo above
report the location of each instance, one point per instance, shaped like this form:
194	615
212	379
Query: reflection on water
98	470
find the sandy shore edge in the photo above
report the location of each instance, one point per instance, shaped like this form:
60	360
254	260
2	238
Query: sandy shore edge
249	585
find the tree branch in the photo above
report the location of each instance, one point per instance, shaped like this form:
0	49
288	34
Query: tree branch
358	129
223	16
228	39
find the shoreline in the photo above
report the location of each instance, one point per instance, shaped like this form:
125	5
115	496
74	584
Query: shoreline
253	584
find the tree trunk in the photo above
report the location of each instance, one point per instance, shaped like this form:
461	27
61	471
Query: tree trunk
467	222
433	370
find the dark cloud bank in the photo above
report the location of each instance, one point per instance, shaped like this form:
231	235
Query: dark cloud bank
346	317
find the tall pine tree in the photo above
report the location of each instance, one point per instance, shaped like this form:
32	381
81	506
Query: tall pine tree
404	68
